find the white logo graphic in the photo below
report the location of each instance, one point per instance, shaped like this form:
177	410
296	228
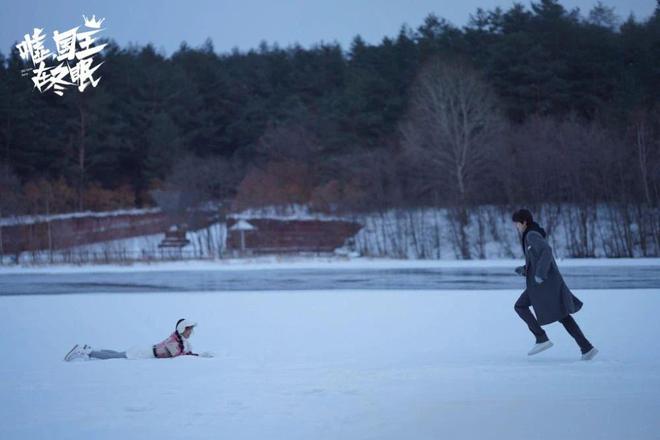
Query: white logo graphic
75	54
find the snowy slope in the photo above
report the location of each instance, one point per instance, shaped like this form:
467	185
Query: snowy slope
329	365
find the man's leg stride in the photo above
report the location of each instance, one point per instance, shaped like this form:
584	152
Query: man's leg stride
574	330
522	309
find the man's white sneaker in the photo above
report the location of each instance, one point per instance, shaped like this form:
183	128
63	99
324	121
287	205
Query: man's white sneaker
542	346
78	353
590	354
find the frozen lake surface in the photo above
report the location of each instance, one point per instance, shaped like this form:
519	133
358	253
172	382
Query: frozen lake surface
291	365
482	277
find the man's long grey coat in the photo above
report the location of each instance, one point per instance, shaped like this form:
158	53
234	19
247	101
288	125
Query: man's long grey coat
551	299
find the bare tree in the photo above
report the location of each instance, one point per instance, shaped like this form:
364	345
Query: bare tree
448	134
193	183
647	151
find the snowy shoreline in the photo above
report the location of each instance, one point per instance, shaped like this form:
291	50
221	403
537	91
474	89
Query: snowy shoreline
285	263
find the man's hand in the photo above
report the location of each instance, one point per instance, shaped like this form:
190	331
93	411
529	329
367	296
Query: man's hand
521	270
538	279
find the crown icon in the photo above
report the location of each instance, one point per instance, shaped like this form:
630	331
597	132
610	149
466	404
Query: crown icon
93	23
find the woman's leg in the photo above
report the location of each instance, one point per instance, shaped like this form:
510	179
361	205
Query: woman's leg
573	329
107	354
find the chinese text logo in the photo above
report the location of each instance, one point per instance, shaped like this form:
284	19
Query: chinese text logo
75	55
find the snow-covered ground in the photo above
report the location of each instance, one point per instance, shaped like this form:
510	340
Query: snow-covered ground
297	263
329	365
31	219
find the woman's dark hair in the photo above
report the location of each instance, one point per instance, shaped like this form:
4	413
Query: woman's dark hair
523	216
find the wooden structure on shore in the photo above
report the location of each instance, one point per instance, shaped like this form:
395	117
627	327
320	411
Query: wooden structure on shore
274	236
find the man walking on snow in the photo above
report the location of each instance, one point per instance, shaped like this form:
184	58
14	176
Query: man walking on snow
546	290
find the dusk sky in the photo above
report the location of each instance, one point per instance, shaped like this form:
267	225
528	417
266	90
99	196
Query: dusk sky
243	24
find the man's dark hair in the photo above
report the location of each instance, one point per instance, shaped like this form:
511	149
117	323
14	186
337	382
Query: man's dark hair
523	216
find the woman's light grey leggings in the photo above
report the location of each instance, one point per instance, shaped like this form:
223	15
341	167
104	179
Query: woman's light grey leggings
107	354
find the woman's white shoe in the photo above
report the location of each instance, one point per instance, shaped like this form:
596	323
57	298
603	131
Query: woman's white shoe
78	352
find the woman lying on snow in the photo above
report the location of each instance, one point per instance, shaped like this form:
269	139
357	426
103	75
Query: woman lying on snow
177	344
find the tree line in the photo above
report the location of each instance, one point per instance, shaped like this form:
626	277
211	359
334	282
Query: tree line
528	105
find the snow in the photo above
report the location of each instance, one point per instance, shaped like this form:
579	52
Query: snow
31	219
204	243
414	233
296	263
420	364
286	212
242	225
132	245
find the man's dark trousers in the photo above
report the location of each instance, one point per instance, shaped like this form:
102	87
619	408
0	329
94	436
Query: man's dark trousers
522	308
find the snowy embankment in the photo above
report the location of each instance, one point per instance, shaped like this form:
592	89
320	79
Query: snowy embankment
433	233
420	233
329	365
320	263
